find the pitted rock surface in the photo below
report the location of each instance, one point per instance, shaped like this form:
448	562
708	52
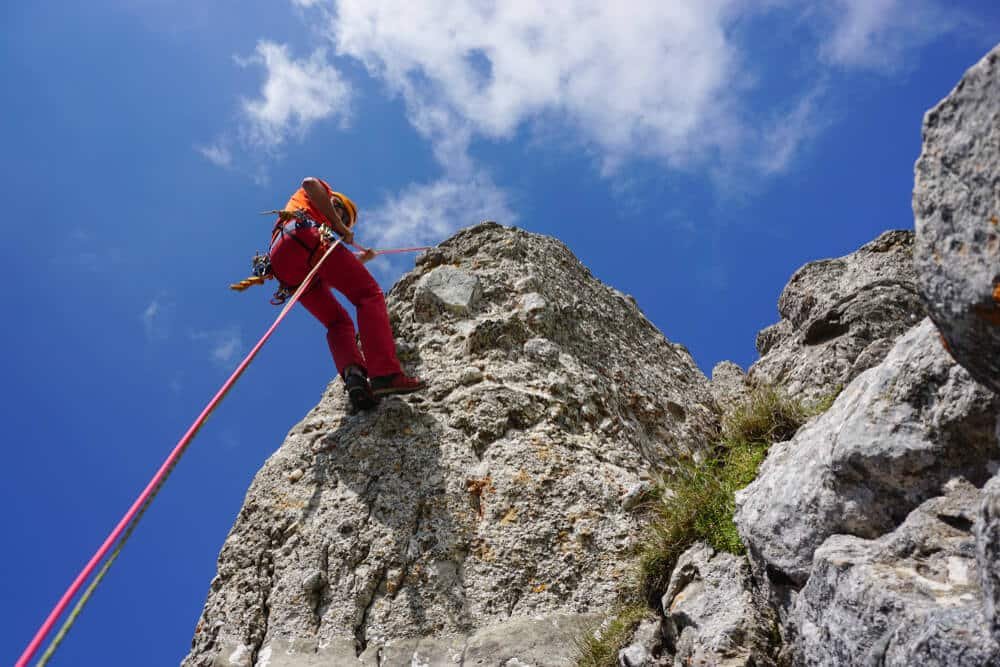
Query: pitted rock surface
911	597
988	552
891	440
480	521
840	317
956	202
714	616
729	386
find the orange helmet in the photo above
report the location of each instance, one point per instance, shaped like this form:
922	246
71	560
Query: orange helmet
352	210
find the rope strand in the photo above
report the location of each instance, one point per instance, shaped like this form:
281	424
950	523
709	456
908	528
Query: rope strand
130	520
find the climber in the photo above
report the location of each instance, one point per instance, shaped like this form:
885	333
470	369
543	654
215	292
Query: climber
372	371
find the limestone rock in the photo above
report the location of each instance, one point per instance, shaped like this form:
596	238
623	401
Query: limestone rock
839	317
445	289
713	615
956	202
911	597
988	553
729	385
890	441
481	518
646	645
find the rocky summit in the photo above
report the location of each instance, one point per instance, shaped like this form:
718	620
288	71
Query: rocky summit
485	520
495	518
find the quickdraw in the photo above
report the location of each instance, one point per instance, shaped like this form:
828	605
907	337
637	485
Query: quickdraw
260	265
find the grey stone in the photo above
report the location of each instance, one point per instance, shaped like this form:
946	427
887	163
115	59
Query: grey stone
541	349
956	203
634	655
911	597
471	375
713	615
635	494
532	302
988	553
729	385
453	520
895	435
832	311
445	289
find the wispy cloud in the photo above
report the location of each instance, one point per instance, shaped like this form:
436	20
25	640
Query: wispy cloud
296	94
217	154
878	35
224	345
156	319
662	80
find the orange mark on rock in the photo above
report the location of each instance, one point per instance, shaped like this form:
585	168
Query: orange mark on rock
540	588
944	343
478	487
996	293
994	221
509	517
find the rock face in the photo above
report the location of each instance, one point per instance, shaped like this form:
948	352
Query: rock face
729	386
988	552
840	317
480	521
956	203
911	597
714	617
893	439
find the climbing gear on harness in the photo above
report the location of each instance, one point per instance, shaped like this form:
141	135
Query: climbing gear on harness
397	383
125	527
359	392
260	265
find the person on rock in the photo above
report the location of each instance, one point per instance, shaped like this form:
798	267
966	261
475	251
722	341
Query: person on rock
294	249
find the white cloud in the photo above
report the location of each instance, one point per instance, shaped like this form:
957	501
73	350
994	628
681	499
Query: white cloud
424	214
643	79
156	319
782	139
879	34
296	94
638	79
224	345
217	154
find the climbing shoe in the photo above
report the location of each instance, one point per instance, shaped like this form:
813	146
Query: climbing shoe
359	392
397	383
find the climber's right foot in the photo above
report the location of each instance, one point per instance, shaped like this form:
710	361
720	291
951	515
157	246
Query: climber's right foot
397	383
359	392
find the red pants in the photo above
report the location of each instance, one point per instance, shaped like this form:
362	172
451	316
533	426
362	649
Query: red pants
345	273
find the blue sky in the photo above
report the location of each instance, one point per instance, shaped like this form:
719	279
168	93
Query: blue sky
692	153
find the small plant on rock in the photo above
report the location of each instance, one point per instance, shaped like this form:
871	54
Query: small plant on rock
600	648
697	499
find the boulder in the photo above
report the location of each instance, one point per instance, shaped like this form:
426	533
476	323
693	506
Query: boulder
483	517
956	203
910	597
988	553
713	615
840	317
890	441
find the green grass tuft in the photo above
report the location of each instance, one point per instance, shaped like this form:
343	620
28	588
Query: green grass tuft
697	501
602	651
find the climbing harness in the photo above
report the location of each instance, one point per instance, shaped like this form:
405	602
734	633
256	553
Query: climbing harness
260	265
125	527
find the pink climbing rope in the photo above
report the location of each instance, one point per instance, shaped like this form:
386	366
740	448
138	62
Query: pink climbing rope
161	474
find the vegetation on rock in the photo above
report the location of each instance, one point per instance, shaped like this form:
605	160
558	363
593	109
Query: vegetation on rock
694	502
